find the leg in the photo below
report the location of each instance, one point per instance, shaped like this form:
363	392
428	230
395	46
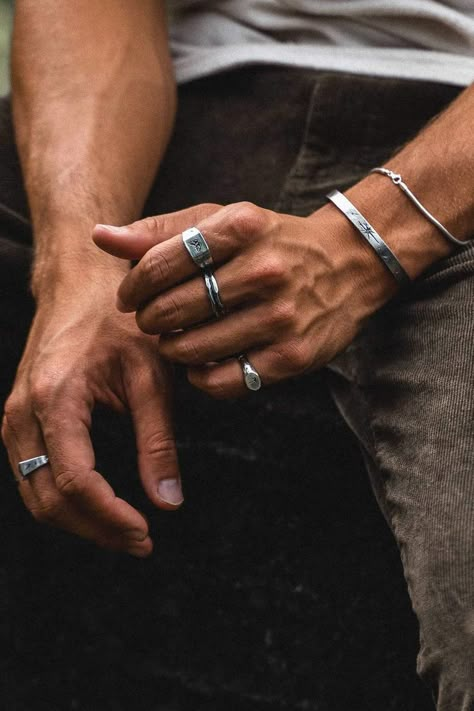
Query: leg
406	385
406	388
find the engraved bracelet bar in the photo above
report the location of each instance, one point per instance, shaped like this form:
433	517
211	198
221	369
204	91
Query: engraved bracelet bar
370	235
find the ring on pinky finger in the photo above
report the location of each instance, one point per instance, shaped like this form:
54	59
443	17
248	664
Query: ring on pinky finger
272	365
232	377
252	379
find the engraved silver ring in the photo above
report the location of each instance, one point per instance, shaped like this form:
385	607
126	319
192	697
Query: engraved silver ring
197	247
252	379
28	466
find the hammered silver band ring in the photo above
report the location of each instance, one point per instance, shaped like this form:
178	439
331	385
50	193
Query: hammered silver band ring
212	289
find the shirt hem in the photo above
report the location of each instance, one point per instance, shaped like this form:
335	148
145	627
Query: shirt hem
439	67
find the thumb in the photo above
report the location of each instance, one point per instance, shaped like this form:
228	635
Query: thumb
133	241
149	398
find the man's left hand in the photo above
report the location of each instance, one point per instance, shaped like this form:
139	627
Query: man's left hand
296	290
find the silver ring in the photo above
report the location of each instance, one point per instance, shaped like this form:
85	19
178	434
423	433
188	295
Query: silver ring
212	288
28	466
197	247
251	377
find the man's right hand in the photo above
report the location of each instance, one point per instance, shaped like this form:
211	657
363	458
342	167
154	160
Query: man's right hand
92	121
81	351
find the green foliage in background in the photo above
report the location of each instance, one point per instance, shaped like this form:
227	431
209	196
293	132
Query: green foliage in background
5	29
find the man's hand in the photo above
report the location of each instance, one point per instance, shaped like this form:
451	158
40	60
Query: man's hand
80	351
296	290
92	120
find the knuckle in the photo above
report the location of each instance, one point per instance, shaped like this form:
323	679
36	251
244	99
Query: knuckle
271	271
13	414
70	483
47	511
247	218
151	223
283	314
170	312
42	392
294	357
158	445
188	352
157	267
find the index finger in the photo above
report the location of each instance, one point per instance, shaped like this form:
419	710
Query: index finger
167	264
72	462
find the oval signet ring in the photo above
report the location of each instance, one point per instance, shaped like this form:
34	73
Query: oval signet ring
251	377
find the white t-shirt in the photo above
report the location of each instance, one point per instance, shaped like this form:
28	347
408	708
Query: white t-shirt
415	39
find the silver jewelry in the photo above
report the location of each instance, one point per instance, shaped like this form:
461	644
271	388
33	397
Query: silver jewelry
397	180
369	234
199	251
197	247
212	288
251	377
28	466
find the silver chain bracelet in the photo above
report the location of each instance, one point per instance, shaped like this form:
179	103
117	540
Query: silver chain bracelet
397	180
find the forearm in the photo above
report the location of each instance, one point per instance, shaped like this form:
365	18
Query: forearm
438	166
93	102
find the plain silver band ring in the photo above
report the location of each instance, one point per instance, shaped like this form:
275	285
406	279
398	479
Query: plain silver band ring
28	466
252	379
197	247
212	288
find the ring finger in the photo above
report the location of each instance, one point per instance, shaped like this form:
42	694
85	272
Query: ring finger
258	325
226	380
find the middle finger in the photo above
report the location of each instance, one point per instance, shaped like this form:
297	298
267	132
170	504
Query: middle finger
188	304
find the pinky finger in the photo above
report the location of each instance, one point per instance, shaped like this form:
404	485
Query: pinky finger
226	380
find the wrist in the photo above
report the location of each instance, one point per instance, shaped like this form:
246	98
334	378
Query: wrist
355	262
416	243
75	268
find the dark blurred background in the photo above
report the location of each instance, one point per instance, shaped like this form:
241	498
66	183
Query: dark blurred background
278	586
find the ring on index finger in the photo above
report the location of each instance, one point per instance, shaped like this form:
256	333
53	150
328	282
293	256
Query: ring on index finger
197	247
199	251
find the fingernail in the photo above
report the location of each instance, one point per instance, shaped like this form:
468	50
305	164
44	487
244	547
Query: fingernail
113	229
140	551
169	491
